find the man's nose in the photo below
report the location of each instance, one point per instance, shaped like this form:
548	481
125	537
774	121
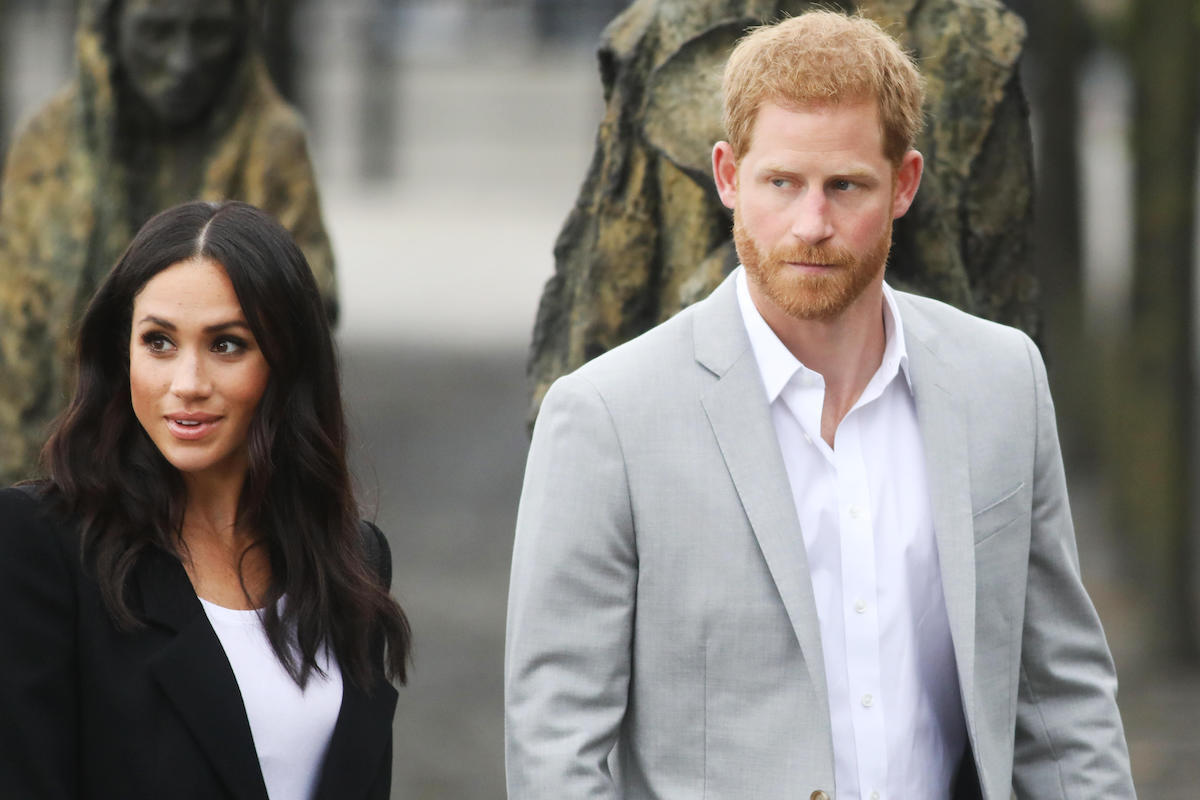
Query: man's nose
811	221
190	380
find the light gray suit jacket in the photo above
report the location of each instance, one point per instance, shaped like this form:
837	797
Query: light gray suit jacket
662	634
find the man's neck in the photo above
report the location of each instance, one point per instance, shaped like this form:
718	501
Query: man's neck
846	350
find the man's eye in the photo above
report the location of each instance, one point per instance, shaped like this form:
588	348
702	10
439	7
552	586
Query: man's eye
843	185
780	183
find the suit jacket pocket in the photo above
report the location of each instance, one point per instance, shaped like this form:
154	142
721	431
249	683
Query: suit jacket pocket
997	515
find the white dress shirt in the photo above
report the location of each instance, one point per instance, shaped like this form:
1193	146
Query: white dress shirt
864	511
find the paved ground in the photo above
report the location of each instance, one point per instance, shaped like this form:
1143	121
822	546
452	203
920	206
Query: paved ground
441	449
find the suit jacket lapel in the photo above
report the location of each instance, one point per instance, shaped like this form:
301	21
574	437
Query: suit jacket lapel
196	678
361	741
740	416
942	417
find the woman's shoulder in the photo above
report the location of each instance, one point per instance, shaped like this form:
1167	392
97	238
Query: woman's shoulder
38	544
23	501
27	514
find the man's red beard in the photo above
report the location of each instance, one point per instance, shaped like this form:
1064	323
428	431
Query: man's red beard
809	295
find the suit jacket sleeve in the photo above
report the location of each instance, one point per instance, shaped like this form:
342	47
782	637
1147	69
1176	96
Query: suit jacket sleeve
571	602
38	703
1069	739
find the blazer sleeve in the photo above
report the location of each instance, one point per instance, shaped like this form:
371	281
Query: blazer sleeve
1070	742
571	603
38	701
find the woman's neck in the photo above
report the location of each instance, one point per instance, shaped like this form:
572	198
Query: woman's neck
223	556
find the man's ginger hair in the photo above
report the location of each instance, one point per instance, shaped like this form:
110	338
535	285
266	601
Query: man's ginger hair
823	58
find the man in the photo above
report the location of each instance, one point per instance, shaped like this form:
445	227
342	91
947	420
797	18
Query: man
810	537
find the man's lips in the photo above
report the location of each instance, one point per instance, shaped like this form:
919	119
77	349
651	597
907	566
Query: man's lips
191	426
810	265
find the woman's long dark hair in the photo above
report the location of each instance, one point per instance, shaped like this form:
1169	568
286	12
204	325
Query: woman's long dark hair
297	493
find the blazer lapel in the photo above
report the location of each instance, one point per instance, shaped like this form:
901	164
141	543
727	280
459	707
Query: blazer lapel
361	741
941	415
196	678
740	416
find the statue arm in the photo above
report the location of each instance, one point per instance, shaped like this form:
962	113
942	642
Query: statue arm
998	214
31	350
285	185
606	258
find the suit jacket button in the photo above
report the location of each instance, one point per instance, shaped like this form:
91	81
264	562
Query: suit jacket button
818	795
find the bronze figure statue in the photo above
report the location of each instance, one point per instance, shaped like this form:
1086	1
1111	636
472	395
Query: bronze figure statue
170	101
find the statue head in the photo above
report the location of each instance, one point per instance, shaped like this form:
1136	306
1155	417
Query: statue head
823	58
178	55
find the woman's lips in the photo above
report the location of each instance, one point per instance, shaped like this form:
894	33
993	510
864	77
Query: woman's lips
191	427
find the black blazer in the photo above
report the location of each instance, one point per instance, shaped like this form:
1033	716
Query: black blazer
88	711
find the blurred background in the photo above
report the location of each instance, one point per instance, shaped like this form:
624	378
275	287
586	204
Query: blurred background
450	138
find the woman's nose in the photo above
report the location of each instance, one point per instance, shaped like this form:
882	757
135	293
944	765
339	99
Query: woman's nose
190	379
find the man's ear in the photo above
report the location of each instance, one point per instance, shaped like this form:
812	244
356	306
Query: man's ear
725	173
908	178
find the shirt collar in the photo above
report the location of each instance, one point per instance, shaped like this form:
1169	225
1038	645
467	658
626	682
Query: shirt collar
777	365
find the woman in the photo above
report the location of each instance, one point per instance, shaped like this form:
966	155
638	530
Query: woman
189	606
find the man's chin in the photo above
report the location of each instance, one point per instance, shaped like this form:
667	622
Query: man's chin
810	295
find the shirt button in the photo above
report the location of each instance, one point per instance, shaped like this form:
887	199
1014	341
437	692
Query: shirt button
867	701
874	795
855	512
860	606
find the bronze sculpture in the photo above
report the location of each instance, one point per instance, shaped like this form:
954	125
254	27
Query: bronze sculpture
170	101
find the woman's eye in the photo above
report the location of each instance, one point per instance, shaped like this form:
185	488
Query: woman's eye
228	345
157	343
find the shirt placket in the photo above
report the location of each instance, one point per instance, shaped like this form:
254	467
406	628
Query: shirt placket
859	594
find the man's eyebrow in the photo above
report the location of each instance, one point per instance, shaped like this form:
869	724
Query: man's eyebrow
777	169
858	173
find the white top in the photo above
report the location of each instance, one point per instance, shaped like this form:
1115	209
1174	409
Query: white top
864	511
291	727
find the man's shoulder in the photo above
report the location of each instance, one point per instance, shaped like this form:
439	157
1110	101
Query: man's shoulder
929	318
986	357
669	347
